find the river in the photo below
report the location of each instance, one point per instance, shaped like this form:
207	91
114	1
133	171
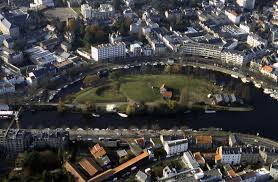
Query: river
262	119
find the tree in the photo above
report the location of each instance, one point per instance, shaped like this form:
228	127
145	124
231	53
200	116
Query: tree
115	75
130	108
72	25
61	106
90	80
184	97
172	104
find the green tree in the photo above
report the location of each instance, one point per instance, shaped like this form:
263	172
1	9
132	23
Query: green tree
72	25
61	106
130	108
172	104
90	80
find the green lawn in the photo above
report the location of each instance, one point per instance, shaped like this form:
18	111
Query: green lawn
145	88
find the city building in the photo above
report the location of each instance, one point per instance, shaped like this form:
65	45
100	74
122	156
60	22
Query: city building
201	49
233	57
15	140
173	147
50	138
42	3
7	27
142	177
247	4
6	87
97	151
104	11
233	16
269	155
228	155
274	170
90	166
40	56
108	51
203	142
74	171
250	155
254	40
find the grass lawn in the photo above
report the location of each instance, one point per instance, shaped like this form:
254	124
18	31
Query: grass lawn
145	88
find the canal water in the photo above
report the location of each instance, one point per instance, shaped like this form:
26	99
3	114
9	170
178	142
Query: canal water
263	119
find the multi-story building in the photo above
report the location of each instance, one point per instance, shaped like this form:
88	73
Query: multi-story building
108	51
274	170
250	155
50	138
104	11
39	3
269	155
233	57
228	155
201	49
41	56
7	27
86	11
247	4
15	140
175	146
6	87
254	40
233	16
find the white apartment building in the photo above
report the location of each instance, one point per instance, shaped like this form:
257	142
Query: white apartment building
39	3
104	11
233	57
136	49
247	4
175	146
200	49
108	51
86	11
6	27
40	56
229	155
233	16
254	40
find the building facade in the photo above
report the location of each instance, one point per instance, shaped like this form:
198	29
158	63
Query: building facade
108	51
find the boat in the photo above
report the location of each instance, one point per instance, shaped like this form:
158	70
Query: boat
267	91
122	115
234	76
187	112
244	80
95	115
209	111
81	88
272	95
258	85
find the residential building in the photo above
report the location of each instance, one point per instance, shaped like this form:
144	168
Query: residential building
249	176
142	177
50	138
212	175
7	27
15	140
228	155
90	166
108	51
104	11
233	16
262	175
254	40
201	49
250	155
40	3
136	49
40	56
233	57
115	37
190	161
73	170
274	170
97	151
203	142
86	11
175	146
247	4
6	87
269	155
